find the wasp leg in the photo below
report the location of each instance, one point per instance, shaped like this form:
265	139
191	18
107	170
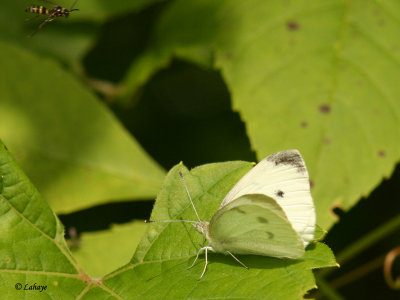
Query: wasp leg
48	20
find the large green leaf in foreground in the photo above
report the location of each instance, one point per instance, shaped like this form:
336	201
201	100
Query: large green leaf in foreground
32	245
74	150
318	76
33	249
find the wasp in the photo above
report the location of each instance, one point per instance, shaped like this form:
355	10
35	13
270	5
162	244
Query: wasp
51	13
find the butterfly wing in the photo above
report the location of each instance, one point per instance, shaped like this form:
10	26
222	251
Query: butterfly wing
254	224
282	176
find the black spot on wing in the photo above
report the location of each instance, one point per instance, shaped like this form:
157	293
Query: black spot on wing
262	220
292	158
280	193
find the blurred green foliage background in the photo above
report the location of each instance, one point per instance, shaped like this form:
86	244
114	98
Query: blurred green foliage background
97	107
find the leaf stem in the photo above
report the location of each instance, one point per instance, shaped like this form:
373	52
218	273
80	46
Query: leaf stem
370	239
365	242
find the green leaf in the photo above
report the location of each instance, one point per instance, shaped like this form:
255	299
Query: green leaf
318	76
117	244
100	10
34	250
52	125
159	266
32	245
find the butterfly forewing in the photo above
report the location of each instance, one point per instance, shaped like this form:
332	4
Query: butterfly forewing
254	224
282	176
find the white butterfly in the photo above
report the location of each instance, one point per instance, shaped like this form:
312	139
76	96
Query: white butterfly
269	212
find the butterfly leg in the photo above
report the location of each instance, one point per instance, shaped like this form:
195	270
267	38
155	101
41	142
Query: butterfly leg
205	266
237	259
197	256
206	248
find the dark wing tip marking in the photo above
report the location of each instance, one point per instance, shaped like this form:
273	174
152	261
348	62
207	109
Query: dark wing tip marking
280	193
289	157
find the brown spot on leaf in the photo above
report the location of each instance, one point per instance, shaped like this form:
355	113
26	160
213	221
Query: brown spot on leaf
311	184
381	153
326	141
376	12
292	25
304	124
324	108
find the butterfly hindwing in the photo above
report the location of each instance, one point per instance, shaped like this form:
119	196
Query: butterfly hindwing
282	176
254	224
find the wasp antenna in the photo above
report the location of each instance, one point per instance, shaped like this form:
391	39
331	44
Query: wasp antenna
73	5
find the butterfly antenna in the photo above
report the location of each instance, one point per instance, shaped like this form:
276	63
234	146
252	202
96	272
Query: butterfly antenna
169	221
190	198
